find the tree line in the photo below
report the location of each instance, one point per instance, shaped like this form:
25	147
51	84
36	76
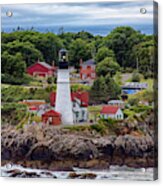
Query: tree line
123	48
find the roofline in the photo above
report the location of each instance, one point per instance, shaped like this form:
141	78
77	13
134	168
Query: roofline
39	62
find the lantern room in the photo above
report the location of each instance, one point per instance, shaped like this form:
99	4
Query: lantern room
63	59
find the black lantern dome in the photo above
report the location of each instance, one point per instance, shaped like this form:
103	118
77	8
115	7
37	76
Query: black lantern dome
63	59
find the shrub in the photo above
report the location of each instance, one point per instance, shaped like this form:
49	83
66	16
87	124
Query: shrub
51	80
13	113
141	108
128	113
133	101
111	121
136	77
6	78
101	128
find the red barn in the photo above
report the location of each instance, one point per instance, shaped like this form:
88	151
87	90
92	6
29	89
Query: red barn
51	117
87	70
41	69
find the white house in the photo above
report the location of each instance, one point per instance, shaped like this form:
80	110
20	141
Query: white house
80	102
80	113
111	112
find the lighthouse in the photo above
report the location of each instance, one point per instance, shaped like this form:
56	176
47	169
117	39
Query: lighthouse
63	96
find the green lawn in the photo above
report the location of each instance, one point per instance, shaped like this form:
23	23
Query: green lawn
150	83
94	112
4	85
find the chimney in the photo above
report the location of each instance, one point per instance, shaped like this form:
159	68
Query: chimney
80	61
53	63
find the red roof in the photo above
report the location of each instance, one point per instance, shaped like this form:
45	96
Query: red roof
82	96
51	113
46	65
109	109
33	108
40	68
87	71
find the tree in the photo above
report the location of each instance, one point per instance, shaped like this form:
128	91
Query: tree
79	49
107	66
102	53
49	45
145	52
66	39
28	51
136	77
13	65
121	40
103	89
84	36
44	46
97	90
112	89
13	69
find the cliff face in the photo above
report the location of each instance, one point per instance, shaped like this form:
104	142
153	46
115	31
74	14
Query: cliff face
60	149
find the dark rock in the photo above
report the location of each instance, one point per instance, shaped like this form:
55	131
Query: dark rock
47	174
74	175
59	149
22	174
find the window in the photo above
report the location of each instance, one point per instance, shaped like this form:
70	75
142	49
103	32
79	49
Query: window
77	114
93	75
88	67
84	76
83	113
73	104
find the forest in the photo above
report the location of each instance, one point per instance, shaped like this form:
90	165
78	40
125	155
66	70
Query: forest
124	49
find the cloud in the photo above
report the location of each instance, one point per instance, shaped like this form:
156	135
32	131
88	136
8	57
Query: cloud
77	14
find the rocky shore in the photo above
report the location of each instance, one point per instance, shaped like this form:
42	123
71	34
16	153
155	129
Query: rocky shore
58	149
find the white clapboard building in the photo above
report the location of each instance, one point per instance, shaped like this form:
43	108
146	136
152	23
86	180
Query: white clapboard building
113	112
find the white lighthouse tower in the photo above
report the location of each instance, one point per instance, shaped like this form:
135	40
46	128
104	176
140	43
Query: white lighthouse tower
63	97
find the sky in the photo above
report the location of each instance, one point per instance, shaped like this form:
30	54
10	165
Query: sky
77	14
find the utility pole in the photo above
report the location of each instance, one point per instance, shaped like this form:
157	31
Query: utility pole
137	64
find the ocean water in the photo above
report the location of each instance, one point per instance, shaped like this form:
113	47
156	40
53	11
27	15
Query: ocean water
114	173
102	30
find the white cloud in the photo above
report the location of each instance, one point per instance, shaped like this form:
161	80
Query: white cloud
78	14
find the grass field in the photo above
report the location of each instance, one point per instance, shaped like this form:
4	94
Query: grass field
94	112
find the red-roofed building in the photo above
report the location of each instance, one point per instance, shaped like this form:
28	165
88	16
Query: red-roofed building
33	108
83	97
51	117
33	105
111	112
87	70
41	69
80	101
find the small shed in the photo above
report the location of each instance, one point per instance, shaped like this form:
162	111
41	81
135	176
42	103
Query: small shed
51	117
